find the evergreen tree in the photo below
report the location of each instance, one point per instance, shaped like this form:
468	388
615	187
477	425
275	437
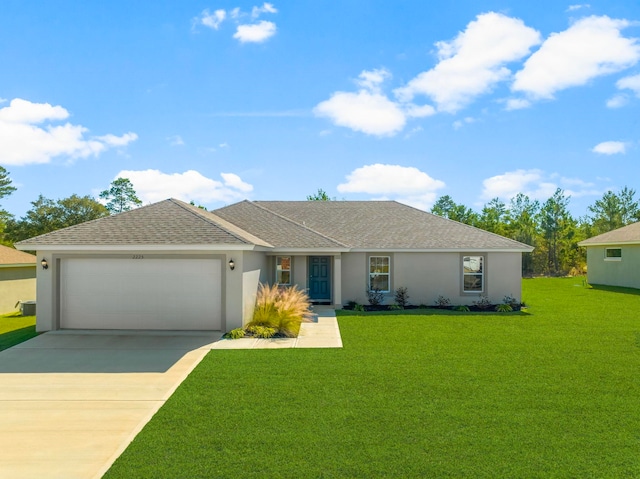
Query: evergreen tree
121	196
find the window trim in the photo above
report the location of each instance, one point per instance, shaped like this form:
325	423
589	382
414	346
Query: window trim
483	290
279	259
612	258
388	274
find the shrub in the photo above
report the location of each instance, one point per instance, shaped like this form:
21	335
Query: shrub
483	302
281	309
375	296
504	308
261	331
395	307
402	297
462	308
358	307
236	333
511	301
350	304
442	302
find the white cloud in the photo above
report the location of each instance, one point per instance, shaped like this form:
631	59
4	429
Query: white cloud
406	184
370	113
630	83
610	148
573	8
372	80
517	104
419	111
617	101
591	47
265	8
536	184
255	33
23	141
465	121
473	62
154	185
211	20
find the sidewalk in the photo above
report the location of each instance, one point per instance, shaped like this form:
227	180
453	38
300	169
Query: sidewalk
323	333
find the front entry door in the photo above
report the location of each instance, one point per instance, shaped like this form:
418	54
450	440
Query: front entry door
320	278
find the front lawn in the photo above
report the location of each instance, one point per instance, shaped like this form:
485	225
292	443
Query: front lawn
554	392
15	329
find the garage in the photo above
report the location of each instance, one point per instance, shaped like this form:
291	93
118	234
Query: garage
140	292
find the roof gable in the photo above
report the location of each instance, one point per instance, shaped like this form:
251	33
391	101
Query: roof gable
626	234
169	222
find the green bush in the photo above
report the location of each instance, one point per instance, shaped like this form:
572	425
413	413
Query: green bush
375	296
504	308
262	331
236	333
402	297
483	302
358	307
395	307
462	308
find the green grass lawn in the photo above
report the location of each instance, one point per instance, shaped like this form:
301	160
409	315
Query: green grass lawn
15	329
554	392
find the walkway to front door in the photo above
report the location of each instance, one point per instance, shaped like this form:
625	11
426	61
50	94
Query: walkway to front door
320	278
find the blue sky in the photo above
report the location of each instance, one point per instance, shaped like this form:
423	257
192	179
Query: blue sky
218	101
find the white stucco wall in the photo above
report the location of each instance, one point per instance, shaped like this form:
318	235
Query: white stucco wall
624	272
233	282
428	275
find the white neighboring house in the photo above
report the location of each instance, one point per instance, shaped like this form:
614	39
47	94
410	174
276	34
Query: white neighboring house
613	258
173	266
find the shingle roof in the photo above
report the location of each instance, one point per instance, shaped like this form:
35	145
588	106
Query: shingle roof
169	222
626	234
362	225
275	228
10	256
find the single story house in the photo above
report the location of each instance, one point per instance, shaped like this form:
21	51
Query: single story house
170	265
613	258
17	278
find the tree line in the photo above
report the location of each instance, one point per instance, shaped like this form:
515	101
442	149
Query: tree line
48	215
547	226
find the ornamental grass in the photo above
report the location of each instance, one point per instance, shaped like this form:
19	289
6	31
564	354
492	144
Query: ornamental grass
281	308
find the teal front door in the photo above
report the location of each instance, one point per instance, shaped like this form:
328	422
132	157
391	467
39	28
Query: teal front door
320	278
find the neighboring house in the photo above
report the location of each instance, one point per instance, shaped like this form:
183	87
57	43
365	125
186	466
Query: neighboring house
171	265
17	278
613	258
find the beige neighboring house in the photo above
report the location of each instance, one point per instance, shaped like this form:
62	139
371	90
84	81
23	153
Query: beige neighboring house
17	278
173	266
613	258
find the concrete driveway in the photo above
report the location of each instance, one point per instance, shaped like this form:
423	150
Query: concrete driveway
71	402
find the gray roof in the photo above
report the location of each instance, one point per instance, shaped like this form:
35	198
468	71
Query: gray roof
306	225
626	234
372	225
169	222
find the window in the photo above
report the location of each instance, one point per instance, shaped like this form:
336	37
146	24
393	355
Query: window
283	269
613	254
379	274
473	274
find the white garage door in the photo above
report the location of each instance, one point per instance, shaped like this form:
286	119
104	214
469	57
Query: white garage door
173	294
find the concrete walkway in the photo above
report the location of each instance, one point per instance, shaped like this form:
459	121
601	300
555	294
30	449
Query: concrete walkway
322	333
72	401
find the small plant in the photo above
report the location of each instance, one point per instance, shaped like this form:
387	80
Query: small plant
350	304
375	296
442	302
511	301
262	331
236	333
463	308
504	308
395	307
358	307
423	306
483	302
402	297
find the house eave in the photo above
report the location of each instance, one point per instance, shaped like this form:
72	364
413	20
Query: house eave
310	251
18	265
608	243
141	247
442	250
